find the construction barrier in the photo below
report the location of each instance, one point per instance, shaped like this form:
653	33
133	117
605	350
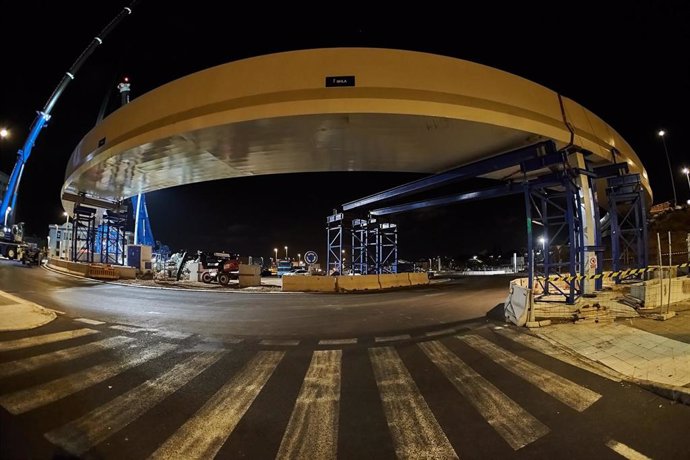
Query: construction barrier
124	272
102	272
358	283
608	275
417	279
309	283
518	303
249	275
394	280
75	268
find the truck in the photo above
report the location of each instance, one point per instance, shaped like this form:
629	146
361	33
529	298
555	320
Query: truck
12	241
13	246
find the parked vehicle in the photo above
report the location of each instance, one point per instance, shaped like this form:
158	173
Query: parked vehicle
220	267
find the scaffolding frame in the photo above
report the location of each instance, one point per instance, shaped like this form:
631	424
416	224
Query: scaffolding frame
628	223
110	239
359	246
83	234
336	226
558	211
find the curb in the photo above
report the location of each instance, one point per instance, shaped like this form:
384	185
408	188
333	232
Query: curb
674	393
217	291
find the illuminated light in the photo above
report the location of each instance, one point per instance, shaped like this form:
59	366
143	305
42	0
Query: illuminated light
661	133
126	79
685	171
4	133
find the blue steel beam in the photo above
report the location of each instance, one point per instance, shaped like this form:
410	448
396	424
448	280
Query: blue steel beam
469	171
484	194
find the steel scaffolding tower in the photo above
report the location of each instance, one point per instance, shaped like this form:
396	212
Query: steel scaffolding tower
110	239
628	223
359	246
336	226
382	247
83	234
557	210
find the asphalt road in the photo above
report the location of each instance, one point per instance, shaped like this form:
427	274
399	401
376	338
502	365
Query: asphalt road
140	373
259	314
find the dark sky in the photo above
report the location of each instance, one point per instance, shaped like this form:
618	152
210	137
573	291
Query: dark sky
627	62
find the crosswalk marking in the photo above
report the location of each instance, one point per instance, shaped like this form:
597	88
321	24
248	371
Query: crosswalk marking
414	429
517	426
566	391
35	362
43	339
93	322
544	347
120	327
441	332
84	433
625	451
280	342
312	431
40	395
205	433
337	341
174	335
392	338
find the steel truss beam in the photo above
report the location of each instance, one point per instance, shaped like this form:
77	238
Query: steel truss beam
628	223
502	161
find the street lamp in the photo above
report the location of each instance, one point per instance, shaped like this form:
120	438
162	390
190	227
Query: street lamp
4	133
662	135
66	214
276	251
286	252
299	257
686	171
542	240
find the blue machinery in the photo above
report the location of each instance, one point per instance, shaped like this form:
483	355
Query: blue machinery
9	200
556	184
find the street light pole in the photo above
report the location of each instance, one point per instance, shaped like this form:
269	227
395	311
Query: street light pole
662	135
286	252
686	171
276	258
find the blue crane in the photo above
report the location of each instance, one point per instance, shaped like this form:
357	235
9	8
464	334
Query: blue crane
10	198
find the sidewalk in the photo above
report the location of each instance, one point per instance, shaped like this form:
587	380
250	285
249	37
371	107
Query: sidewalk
654	354
18	314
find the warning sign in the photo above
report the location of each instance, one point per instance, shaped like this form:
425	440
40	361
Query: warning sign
593	262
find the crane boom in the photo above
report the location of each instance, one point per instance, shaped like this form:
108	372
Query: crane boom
10	198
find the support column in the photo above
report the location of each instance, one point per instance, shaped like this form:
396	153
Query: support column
589	222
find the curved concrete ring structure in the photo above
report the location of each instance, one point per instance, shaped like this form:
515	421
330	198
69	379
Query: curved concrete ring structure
403	111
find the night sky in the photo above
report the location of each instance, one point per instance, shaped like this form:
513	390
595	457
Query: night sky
627	62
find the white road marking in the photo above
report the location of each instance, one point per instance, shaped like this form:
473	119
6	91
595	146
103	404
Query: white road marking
441	332
98	425
546	348
392	338
517	426
120	327
93	322
280	342
566	391
337	341
35	362
625	451
43	339
56	311
312	431
174	335
414	429
205	433
40	395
